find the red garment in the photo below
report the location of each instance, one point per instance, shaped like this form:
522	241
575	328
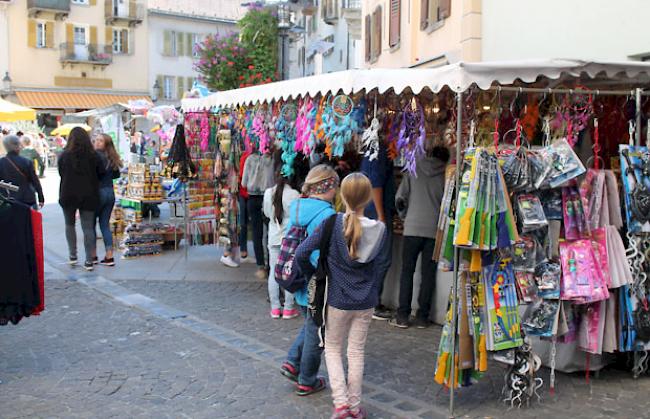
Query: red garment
243	192
37	232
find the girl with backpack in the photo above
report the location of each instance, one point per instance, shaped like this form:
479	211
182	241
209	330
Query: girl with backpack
352	290
276	206
303	359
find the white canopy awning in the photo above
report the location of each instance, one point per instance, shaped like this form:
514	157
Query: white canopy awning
458	77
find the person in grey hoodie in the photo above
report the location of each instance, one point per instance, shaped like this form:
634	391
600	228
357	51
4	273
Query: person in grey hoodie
352	290
418	204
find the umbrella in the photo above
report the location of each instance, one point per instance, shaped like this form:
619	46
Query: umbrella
10	112
64	130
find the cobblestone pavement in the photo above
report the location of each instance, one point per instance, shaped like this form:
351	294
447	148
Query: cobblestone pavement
166	337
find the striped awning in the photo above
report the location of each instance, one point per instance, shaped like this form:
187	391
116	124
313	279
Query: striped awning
61	100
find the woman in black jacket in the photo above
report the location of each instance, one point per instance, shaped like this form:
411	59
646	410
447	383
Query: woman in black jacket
20	171
80	170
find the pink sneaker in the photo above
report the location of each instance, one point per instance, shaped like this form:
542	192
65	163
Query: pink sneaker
290	314
275	313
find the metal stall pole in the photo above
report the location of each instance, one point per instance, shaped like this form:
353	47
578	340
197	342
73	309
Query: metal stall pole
454	289
637	92
186	219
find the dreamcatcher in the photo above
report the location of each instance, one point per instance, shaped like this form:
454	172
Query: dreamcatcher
304	126
260	130
370	138
286	135
412	135
338	125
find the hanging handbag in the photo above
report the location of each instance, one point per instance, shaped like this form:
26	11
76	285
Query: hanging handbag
317	285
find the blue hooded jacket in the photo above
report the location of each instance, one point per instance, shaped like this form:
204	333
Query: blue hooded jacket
309	212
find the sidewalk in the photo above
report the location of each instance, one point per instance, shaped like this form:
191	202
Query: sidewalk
216	315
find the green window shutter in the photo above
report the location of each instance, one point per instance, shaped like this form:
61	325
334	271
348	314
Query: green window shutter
180	50
167	43
161	82
189	47
190	83
180	89
126	49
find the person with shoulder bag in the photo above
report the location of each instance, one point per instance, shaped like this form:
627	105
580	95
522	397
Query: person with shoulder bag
20	172
344	290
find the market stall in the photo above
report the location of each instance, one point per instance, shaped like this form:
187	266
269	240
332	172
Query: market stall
530	228
10	112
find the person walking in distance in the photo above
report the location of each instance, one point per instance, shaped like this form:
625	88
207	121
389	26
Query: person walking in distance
20	172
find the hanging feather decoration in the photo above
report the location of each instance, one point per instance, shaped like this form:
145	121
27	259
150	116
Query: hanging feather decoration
412	135
370	140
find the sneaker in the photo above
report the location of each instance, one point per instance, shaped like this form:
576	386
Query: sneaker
95	260
290	314
399	322
303	390
421	323
72	261
107	262
229	262
359	413
289	371
275	313
342	412
382	313
89	266
261	273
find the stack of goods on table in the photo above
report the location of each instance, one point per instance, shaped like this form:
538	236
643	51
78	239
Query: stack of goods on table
144	183
143	240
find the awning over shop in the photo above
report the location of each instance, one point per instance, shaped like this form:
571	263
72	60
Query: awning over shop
458	77
10	112
76	100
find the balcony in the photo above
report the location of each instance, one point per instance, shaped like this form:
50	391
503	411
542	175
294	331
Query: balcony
123	12
351	11
59	8
95	54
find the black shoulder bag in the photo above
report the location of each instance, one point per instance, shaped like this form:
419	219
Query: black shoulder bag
317	285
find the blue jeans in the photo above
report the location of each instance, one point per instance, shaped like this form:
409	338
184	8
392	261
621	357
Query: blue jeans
106	203
243	225
304	354
385	256
257	224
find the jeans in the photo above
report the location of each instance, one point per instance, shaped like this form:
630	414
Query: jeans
385	256
87	227
243	225
413	247
257	223
342	325
106	202
274	288
304	354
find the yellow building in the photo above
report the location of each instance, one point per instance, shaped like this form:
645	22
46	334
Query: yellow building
424	33
70	55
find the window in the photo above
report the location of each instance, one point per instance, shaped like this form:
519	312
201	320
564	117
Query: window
373	34
174	44
80	35
330	9
394	23
168	87
41	35
120	41
196	39
432	12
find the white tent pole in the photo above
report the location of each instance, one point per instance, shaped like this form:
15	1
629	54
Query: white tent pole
638	92
454	288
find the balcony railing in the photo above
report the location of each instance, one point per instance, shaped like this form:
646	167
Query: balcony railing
94	54
57	7
351	4
130	12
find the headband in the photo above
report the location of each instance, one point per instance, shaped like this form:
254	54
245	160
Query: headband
323	186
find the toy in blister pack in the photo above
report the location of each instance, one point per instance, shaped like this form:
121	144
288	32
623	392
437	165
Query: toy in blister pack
575	222
588	331
531	213
565	163
591	192
548	277
635	171
581	277
524	254
525	286
541	318
552	203
501	305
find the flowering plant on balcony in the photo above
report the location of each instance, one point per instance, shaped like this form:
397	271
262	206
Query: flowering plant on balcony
240	60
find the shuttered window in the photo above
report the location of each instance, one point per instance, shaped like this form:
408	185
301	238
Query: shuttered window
394	23
180	87
41	35
168	87
433	11
444	9
424	14
368	37
167	43
376	33
121	41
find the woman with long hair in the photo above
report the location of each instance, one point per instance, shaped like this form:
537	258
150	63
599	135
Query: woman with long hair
352	290
277	201
315	206
111	162
80	169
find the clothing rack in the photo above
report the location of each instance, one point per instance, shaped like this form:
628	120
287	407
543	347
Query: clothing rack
636	93
8	186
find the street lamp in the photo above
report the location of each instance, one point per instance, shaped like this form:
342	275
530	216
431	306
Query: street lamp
156	91
284	24
284	16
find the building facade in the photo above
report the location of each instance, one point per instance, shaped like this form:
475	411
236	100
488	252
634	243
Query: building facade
430	33
174	28
326	37
70	55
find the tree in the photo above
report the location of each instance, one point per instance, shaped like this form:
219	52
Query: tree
241	60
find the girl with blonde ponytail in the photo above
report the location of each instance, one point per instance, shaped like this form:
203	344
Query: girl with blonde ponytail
352	290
